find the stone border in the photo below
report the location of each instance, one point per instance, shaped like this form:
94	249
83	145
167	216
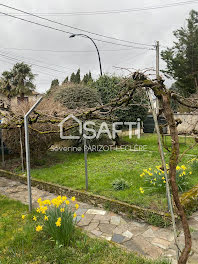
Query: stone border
122	208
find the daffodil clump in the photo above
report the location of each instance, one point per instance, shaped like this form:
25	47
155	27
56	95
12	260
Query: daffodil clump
57	218
155	178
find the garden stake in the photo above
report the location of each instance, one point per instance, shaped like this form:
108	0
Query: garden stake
165	172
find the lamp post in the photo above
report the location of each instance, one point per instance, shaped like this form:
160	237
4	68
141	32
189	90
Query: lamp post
85	36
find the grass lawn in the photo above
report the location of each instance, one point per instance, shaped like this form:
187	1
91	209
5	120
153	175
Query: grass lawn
105	167
20	243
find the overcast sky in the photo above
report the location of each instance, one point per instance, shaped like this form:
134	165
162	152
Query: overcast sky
142	27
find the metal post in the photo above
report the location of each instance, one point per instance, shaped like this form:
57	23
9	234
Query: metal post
2	147
85	159
27	150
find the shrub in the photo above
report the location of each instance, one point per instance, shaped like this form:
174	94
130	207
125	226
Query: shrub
75	96
120	184
155	178
56	218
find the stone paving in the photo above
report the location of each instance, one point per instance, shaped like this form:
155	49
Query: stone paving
139	237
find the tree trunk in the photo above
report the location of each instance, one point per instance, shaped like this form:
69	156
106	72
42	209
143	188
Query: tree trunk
172	174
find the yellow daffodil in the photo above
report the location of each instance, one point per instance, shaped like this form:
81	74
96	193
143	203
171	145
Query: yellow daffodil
183	167
39	200
163	178
82	216
62	210
77	206
67	202
164	181
73	199
75	215
47	202
58	222
46	218
43	209
23	217
141	190
190	172
34	218
39	228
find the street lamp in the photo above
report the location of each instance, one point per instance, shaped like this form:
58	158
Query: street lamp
85	36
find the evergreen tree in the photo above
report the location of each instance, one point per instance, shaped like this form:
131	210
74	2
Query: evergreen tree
66	80
182	58
18	81
54	83
73	77
90	77
77	79
87	78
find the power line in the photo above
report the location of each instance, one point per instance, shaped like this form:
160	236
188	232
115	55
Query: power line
82	30
63	31
131	58
36	65
39	61
6	60
107	12
65	51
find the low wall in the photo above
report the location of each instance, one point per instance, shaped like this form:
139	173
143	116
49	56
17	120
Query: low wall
188	122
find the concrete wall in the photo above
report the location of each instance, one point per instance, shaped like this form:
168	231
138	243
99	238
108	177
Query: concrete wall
189	122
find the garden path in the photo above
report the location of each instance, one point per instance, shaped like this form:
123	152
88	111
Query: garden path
150	241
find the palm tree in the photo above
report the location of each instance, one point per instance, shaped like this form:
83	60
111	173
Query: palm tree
6	86
18	81
23	79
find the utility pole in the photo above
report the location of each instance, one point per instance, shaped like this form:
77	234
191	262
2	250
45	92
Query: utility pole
157	59
157	71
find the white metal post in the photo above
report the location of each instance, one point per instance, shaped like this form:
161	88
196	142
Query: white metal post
27	150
